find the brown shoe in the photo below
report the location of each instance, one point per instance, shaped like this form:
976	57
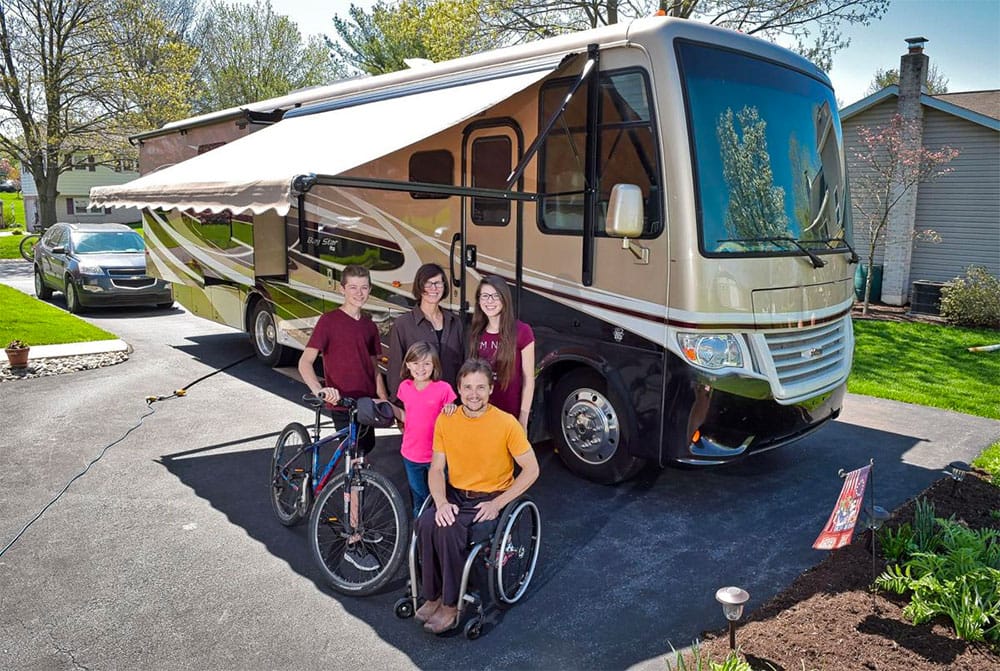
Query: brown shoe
425	612
444	618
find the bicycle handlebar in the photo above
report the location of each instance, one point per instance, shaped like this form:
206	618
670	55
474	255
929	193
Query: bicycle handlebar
345	402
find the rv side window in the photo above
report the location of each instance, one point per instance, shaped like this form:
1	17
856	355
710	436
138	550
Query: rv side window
491	164
432	167
626	146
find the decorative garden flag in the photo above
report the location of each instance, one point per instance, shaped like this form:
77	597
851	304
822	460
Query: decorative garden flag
840	528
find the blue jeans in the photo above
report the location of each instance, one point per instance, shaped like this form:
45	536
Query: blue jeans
416	475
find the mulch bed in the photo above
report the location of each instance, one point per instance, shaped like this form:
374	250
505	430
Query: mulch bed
829	619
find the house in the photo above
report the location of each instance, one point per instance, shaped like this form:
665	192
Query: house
74	192
963	207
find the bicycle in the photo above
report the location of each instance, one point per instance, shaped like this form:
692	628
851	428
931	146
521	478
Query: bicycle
27	246
358	529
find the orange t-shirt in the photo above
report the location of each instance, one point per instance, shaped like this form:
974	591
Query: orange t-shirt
481	450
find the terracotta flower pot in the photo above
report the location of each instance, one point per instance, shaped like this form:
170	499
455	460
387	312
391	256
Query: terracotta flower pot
18	358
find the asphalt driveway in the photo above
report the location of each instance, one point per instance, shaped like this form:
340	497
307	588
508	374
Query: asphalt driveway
166	554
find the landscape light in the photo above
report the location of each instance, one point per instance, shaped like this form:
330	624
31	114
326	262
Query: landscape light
732	600
957	470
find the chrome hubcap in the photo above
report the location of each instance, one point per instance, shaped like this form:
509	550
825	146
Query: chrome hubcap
264	333
590	426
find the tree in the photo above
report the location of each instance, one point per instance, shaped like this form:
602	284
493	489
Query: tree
249	53
937	83
756	206
53	96
379	40
812	25
891	162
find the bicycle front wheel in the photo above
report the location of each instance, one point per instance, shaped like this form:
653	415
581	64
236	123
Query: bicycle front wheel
361	558
27	247
291	491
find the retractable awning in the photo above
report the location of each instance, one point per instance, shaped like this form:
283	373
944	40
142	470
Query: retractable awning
255	173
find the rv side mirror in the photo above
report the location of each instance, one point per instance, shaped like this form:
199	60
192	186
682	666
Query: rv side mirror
625	213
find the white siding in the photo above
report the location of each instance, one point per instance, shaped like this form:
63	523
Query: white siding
962	206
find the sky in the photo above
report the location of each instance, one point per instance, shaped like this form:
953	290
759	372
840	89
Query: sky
963	40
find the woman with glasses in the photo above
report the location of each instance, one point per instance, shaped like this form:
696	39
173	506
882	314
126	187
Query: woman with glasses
427	322
508	344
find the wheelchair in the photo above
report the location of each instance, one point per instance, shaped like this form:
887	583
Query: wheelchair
502	552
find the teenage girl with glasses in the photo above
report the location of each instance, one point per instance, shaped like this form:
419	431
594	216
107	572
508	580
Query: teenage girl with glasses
508	344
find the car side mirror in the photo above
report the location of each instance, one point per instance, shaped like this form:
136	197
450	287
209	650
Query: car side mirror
625	213
58	249
624	219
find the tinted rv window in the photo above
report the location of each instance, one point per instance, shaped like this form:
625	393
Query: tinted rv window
626	152
766	150
432	167
491	164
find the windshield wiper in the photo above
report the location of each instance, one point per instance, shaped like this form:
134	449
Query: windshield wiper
842	241
813	257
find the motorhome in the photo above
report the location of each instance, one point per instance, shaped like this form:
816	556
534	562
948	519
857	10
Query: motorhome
667	200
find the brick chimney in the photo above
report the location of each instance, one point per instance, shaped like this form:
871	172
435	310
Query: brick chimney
913	66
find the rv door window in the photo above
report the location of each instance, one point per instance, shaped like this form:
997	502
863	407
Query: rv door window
626	153
491	163
432	167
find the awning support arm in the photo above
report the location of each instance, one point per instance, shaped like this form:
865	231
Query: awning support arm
522	165
423	187
590	164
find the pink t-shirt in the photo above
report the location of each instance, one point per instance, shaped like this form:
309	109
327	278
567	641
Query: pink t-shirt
507	398
422	410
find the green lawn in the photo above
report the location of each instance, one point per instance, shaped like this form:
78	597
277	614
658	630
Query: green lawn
9	246
927	364
38	323
13	210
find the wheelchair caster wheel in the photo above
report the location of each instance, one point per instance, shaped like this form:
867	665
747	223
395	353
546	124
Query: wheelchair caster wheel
473	628
404	608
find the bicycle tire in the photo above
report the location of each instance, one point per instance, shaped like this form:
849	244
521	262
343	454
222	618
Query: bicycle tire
27	247
290	489
384	530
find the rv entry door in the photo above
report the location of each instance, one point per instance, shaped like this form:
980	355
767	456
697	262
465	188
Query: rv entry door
491	227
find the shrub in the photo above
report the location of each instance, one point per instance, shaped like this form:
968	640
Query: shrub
973	300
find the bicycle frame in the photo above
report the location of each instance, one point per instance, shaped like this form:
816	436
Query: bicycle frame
348	437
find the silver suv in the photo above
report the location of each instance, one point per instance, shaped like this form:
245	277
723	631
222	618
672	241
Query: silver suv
97	265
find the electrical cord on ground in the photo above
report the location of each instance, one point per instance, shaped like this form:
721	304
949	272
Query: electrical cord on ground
150	400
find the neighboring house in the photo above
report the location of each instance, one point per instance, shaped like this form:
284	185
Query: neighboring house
74	192
963	207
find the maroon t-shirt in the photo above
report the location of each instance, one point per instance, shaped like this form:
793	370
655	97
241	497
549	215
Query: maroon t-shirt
347	346
507	398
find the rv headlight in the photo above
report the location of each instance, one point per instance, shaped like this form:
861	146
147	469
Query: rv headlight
716	350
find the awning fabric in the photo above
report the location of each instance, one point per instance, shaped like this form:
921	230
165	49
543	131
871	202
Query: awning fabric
255	173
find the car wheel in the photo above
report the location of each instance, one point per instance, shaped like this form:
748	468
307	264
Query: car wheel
591	429
264	336
73	297
41	290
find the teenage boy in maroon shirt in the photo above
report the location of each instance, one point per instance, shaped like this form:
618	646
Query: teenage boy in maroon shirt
349	342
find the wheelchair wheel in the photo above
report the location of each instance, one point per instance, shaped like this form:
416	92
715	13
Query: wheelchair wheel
514	552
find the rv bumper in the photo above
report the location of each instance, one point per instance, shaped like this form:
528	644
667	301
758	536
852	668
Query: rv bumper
731	419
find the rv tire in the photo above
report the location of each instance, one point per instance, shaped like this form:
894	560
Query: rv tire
264	336
591	429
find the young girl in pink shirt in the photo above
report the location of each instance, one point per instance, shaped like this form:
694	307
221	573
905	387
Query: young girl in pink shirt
423	395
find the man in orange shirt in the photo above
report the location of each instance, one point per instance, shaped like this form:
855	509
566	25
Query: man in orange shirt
478	445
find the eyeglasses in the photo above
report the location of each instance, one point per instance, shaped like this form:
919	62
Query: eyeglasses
489	298
436	284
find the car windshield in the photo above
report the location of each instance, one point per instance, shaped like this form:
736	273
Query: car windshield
108	242
767	155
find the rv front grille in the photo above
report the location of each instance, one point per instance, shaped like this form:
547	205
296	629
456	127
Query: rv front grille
808	359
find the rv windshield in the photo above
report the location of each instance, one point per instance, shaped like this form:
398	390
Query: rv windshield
766	146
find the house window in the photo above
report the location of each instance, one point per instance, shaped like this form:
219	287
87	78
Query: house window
432	167
80	206
491	164
91	164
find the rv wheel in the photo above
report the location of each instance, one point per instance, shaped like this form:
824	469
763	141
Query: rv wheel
264	336
591	430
